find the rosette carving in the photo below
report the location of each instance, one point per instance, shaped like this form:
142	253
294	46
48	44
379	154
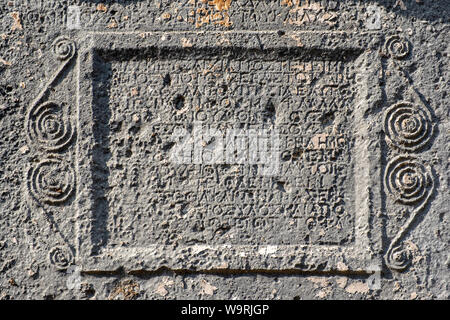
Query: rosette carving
48	127
61	257
408	126
51	181
397	47
398	258
64	48
409	182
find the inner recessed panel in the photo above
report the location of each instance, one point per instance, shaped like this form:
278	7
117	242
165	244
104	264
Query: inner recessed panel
234	147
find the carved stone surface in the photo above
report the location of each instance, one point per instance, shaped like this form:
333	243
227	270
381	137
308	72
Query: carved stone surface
213	203
181	144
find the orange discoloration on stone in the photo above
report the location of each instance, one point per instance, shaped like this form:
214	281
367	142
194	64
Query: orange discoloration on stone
217	13
357	287
127	290
186	43
319	281
225	21
298	40
166	16
112	24
17	23
102	7
6	63
220	5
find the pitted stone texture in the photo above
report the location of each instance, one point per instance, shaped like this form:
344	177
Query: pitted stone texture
405	66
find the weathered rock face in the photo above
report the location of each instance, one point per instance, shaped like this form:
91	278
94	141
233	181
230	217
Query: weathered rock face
275	149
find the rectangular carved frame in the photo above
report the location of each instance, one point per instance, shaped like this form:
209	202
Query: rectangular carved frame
359	257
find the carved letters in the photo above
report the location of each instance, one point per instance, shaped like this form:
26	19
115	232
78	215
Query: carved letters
158	104
308	202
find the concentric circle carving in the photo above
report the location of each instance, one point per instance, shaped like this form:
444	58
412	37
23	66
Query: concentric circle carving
397	47
48	127
398	258
61	257
64	48
51	181
407	180
408	126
